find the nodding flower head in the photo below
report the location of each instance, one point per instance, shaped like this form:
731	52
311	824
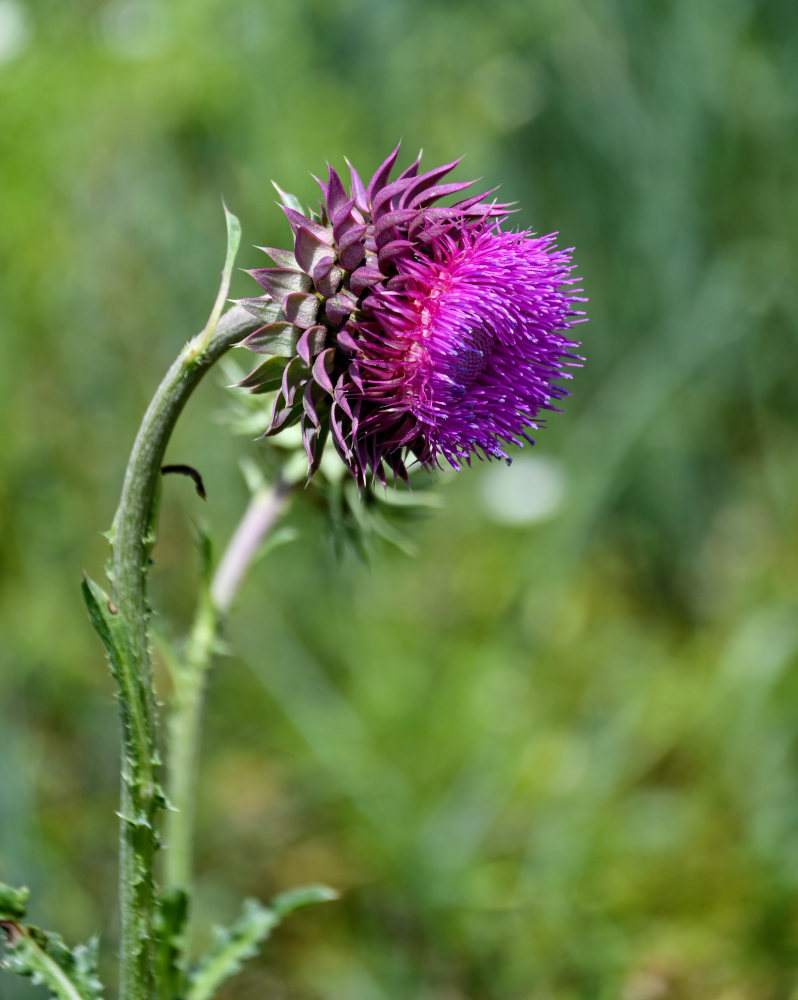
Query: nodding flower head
412	330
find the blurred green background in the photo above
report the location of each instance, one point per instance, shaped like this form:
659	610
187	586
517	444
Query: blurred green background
555	754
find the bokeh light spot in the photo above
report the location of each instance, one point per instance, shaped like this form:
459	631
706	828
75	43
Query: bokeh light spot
15	30
531	490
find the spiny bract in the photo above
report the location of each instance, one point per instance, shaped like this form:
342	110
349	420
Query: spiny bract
411	329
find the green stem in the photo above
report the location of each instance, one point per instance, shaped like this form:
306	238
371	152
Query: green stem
132	538
190	676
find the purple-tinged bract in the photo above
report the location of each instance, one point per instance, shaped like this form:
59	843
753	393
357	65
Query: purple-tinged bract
411	329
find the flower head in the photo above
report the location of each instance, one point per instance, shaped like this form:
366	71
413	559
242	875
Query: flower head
411	329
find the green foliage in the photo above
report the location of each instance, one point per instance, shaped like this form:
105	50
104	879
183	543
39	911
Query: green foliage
234	945
170	931
68	974
13	902
233	242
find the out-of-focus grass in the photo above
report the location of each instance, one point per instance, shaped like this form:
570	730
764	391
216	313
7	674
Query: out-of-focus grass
547	759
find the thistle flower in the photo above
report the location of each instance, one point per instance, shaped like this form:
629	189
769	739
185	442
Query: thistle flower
406	329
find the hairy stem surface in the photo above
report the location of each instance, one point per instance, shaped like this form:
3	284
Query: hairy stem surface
190	676
132	537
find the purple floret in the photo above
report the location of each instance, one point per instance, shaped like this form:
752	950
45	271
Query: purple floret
422	331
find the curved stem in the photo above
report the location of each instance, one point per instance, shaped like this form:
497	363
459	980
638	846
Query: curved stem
264	509
132	537
190	675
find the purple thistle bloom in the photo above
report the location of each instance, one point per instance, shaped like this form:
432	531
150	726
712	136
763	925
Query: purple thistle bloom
413	329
